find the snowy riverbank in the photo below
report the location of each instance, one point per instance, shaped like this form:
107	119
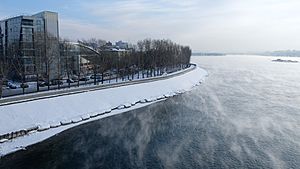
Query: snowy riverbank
54	115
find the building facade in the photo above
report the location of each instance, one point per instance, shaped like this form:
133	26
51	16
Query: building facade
122	45
31	45
1	44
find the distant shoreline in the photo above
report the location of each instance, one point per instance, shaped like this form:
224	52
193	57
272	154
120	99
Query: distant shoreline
254	54
283	53
285	61
208	54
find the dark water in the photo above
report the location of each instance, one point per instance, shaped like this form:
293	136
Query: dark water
246	115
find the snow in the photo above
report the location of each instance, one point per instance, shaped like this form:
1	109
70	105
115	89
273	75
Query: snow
43	127
57	114
107	111
143	101
85	117
66	122
121	107
127	105
95	114
3	140
54	124
76	119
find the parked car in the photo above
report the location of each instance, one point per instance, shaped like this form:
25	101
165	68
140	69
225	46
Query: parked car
11	85
96	77
47	83
75	78
5	81
70	81
24	85
86	78
57	82
42	84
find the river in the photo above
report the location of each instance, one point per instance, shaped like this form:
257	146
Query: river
245	115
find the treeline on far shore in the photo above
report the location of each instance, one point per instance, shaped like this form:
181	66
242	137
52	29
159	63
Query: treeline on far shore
208	54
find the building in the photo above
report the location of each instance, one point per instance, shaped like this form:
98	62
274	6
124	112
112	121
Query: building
77	59
1	44
70	59
122	45
31	45
47	44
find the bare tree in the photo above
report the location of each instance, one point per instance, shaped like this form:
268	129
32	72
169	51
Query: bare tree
67	59
51	58
4	69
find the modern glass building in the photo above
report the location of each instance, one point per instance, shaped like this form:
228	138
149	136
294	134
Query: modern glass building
1	44
31	45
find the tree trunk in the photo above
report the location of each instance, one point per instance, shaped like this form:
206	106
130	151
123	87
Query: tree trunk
117	75
49	83
23	81
85	76
69	83
48	76
109	77
95	78
143	75
78	82
1	85
132	75
37	83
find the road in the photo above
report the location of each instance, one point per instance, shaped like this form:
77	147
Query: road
84	88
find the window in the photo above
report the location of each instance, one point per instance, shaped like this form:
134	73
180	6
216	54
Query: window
26	45
27	30
27	53
27	22
28	61
26	38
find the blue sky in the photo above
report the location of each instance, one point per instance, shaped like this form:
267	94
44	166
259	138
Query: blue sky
205	25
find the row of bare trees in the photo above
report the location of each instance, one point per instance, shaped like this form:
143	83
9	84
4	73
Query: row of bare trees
145	59
159	56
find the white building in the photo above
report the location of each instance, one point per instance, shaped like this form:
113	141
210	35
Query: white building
122	45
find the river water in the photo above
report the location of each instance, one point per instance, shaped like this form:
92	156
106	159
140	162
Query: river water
246	115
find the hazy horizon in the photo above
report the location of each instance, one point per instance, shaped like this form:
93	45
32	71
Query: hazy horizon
207	26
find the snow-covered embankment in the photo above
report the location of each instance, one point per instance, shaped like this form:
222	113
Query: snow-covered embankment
47	117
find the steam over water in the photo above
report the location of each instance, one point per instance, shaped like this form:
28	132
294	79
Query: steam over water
246	115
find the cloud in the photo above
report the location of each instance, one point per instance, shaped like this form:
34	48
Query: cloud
134	20
221	25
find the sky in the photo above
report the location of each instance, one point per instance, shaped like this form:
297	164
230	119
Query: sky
204	25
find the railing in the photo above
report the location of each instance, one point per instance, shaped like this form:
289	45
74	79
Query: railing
111	78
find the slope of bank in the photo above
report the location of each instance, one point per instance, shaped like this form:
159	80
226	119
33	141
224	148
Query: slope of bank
47	117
